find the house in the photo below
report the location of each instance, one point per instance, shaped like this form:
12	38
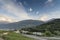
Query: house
5	33
37	33
17	31
24	32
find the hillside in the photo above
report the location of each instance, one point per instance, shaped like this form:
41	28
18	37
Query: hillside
50	28
52	25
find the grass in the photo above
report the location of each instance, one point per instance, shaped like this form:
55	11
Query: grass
15	36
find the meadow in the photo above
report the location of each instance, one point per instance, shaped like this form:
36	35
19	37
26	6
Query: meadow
13	36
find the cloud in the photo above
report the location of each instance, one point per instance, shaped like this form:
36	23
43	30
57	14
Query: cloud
55	14
30	9
50	0
37	12
17	10
50	15
5	18
12	8
49	3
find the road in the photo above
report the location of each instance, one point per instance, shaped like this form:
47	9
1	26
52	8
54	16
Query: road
42	38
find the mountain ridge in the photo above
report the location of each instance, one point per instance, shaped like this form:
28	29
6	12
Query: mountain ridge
21	24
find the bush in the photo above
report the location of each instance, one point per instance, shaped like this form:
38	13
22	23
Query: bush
48	33
57	33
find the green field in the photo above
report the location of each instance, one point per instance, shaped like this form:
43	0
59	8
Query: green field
14	36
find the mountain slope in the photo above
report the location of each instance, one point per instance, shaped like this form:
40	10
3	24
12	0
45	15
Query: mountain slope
53	25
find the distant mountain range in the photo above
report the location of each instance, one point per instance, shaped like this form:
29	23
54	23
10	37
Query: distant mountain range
4	22
20	24
31	23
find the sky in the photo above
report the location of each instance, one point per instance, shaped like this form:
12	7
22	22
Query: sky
18	10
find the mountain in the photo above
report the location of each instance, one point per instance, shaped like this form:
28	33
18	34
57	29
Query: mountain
53	25
4	22
21	24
